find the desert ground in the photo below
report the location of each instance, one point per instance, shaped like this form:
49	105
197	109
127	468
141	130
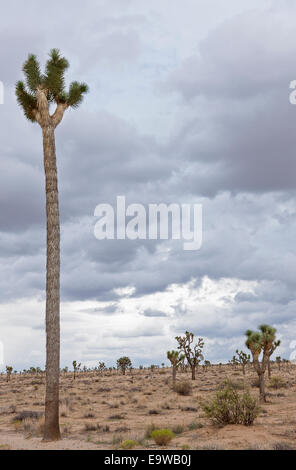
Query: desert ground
101	410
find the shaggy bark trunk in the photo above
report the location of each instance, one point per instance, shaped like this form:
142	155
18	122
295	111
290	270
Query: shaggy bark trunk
193	373
269	369
52	429
262	388
244	369
174	375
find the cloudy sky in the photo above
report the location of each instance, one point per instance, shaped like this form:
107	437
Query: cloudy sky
188	103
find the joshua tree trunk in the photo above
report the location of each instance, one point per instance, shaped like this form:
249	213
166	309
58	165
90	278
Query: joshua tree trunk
244	369
52	431
174	375
262	388
269	369
193	372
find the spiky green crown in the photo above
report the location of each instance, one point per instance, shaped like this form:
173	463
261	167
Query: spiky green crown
264	338
52	82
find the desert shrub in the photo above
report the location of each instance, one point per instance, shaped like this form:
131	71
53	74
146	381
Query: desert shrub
166	406
282	446
104	428
236	385
162	436
115	417
178	429
277	382
153	412
33	415
89	416
188	408
151	427
195	425
31	426
183	387
128	444
229	407
91	427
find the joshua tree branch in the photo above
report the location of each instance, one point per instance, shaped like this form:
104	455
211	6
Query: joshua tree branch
58	114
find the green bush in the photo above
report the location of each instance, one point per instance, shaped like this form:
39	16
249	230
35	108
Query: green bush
128	444
183	387
230	407
162	436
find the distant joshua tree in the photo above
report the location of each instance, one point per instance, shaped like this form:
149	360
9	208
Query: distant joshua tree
76	368
175	358
9	370
278	361
124	363
193	353
102	367
42	90
262	341
243	359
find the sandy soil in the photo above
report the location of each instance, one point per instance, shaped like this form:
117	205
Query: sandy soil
100	411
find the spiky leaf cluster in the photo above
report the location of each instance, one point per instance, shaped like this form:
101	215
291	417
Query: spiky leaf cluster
51	83
262	340
124	363
175	357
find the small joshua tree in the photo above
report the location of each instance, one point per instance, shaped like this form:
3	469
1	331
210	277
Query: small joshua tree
176	358
243	359
278	361
102	367
207	365
76	368
124	363
193	353
262	341
8	373
233	362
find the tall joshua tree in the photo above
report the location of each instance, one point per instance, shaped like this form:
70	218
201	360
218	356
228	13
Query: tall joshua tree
193	353
35	97
262	341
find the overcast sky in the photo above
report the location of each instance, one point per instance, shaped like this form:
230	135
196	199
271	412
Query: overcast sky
188	103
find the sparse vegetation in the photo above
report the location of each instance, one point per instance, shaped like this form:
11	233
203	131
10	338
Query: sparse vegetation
221	396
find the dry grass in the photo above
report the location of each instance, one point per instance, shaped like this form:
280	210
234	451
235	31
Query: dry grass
103	411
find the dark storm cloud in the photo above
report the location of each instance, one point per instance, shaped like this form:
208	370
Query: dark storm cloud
239	134
231	148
